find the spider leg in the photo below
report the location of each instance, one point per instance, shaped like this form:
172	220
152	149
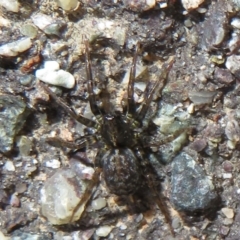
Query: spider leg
85	121
169	138
88	193
78	144
90	83
149	91
148	174
131	104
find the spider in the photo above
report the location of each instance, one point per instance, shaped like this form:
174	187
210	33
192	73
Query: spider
123	156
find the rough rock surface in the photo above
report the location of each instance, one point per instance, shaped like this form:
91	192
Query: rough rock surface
12	118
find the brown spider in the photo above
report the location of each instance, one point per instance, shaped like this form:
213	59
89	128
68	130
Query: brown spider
123	152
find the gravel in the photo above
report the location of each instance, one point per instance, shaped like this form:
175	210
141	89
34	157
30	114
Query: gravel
198	171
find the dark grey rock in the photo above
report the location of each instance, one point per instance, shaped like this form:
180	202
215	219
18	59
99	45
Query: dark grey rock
223	76
214	28
13	113
192	190
27	236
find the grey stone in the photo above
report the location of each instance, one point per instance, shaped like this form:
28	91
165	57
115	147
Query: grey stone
214	28
191	189
12	118
18	235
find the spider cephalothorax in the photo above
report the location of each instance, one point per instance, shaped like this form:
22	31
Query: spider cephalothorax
122	154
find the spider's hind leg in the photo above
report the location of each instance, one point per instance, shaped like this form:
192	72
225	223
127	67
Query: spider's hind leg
154	185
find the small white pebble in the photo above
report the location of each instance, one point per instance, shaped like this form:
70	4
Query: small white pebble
191	108
41	20
150	4
235	23
87	173
227	221
227	175
163	5
98	203
10	5
68	5
228	212
103	231
14	48
123	227
176	223
54	163
35	161
58	78
2	237
191	4
14	200
66	238
9	166
51	65
4	22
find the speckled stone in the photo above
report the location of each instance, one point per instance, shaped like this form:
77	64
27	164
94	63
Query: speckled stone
192	190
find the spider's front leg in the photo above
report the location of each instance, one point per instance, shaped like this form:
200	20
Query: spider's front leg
79	118
90	84
131	108
150	90
80	143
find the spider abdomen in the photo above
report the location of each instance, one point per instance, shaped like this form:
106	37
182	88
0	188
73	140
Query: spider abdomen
121	170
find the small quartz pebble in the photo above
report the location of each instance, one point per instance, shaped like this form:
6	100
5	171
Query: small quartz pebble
2	237
9	166
191	4
14	48
98	203
14	200
235	23
228	212
61	195
51	65
227	221
41	20
25	145
224	230
143	5
103	231
47	24
10	5
21	187
232	64
50	74
176	223
29	30
201	97
227	175
68	5
54	163
4	22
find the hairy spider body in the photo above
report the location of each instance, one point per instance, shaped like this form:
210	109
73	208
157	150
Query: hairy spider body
122	155
117	131
121	170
